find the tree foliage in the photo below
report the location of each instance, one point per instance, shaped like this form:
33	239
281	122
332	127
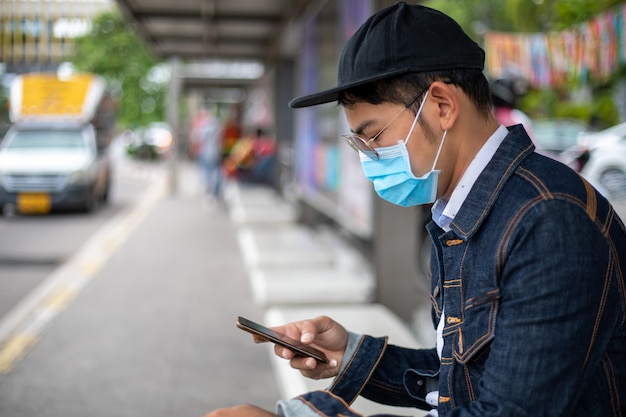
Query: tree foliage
4	111
113	50
520	15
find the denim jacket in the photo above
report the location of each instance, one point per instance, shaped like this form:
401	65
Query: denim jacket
532	278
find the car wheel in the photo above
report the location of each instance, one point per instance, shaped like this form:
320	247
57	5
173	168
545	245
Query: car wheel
614	181
8	210
107	188
90	201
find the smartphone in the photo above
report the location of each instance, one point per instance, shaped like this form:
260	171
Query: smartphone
281	339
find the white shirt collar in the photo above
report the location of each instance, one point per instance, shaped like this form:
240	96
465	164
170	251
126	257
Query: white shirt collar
445	211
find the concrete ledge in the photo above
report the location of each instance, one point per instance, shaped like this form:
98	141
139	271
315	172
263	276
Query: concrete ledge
373	319
295	265
258	205
297	286
279	213
282	246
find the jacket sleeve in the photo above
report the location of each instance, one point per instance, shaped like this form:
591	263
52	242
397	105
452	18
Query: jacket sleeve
377	371
388	374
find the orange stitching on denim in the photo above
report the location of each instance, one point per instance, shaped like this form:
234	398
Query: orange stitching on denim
605	294
332	395
311	406
369	375
536	182
618	268
387	387
468	381
453	283
592	202
508	233
339	377
522	172
446	361
610	217
480	342
433	301
488	297
607	365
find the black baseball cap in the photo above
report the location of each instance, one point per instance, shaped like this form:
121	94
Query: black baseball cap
397	40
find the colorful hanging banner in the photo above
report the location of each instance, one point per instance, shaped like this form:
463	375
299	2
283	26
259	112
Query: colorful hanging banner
594	49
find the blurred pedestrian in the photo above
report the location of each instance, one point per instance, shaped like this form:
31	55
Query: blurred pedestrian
506	90
252	159
231	133
528	261
210	157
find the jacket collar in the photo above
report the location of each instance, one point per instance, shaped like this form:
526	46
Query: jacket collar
514	149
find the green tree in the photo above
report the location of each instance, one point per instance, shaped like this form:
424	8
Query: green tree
520	15
570	12
112	50
4	111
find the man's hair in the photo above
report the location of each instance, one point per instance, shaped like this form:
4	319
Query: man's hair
402	89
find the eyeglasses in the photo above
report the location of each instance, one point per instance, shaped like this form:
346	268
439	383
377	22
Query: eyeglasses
364	145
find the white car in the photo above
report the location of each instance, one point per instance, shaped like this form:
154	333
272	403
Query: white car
560	139
42	168
606	168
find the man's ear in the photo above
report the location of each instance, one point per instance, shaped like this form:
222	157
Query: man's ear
445	96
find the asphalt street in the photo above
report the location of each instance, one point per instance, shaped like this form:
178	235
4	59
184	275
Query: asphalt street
149	328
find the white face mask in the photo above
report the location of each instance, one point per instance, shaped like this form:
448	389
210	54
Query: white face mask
393	178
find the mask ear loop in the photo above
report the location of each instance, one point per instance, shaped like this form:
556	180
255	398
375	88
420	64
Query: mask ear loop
417	116
443	138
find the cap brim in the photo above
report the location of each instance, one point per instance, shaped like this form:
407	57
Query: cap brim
332	94
318	98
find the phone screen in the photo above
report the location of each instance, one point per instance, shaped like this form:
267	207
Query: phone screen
281	339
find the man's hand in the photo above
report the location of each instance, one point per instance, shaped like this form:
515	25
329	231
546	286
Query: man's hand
241	411
322	333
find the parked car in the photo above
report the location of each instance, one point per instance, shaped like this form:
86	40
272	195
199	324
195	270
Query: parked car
153	142
42	168
560	139
606	168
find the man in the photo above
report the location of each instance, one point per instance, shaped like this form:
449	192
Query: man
528	284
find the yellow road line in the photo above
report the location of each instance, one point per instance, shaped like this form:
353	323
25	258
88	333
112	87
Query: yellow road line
59	300
90	267
68	280
14	349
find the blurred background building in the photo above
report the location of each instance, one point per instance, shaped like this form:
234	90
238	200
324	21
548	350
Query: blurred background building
39	35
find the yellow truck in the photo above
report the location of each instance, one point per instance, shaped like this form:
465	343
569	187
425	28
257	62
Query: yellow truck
56	152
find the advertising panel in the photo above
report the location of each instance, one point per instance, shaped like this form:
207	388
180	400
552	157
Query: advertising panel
329	173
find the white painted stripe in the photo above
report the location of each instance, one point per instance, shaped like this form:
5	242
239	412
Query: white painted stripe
19	329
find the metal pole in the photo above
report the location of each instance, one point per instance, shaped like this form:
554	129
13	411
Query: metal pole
173	97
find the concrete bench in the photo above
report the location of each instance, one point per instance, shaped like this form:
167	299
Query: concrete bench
289	263
295	286
372	319
296	265
282	246
258	205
